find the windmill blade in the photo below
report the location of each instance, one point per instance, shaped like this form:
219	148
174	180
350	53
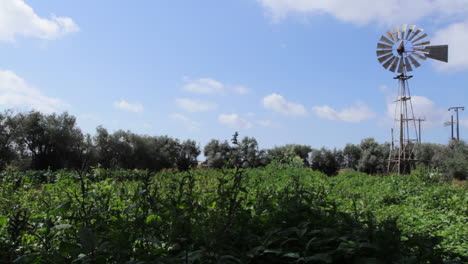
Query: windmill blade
414	61
425	43
384	58
423	36
397	32
410	30
419	56
419	30
390	35
403	31
394	65
383	52
408	65
400	66
390	61
386	40
421	50
383	46
439	52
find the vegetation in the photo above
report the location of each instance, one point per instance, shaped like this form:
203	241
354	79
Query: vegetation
268	215
68	197
34	141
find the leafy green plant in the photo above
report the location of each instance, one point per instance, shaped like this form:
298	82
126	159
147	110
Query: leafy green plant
277	214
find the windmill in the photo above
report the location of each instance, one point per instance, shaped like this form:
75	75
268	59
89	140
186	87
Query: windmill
400	52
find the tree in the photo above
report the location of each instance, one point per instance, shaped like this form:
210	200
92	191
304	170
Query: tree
187	155
429	155
455	162
103	145
288	152
352	154
325	161
8	132
50	140
249	153
373	156
217	153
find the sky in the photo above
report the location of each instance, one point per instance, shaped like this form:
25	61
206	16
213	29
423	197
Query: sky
282	71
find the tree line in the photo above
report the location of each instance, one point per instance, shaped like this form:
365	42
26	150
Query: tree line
37	141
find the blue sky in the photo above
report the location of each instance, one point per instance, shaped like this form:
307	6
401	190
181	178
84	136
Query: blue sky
282	71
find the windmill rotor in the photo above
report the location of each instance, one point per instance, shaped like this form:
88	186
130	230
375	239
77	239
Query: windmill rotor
404	48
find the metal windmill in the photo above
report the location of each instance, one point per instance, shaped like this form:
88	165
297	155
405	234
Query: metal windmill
401	51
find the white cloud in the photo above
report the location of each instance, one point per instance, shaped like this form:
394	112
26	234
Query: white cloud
204	86
234	121
456	36
15	92
241	90
362	12
194	105
357	113
279	104
425	108
187	122
265	123
126	106
19	19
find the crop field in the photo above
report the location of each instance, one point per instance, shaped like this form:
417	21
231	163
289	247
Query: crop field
269	215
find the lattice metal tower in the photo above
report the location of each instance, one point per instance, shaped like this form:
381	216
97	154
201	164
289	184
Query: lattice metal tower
399	51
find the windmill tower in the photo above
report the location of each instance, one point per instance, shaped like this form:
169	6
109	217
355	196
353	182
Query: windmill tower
399	52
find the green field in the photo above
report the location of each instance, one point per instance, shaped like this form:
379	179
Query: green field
270	215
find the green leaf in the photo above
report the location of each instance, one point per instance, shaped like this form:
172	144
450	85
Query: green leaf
3	220
152	218
229	259
39	215
195	255
67	248
129	208
272	251
61	208
88	239
322	257
368	261
291	255
64	226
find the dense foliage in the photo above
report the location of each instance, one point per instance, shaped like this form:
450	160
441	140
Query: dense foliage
35	141
128	198
277	214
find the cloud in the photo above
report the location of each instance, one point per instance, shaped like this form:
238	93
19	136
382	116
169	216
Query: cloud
234	121
425	108
19	19
241	90
456	36
15	92
126	106
204	86
359	112
194	105
279	104
187	122
265	123
362	12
